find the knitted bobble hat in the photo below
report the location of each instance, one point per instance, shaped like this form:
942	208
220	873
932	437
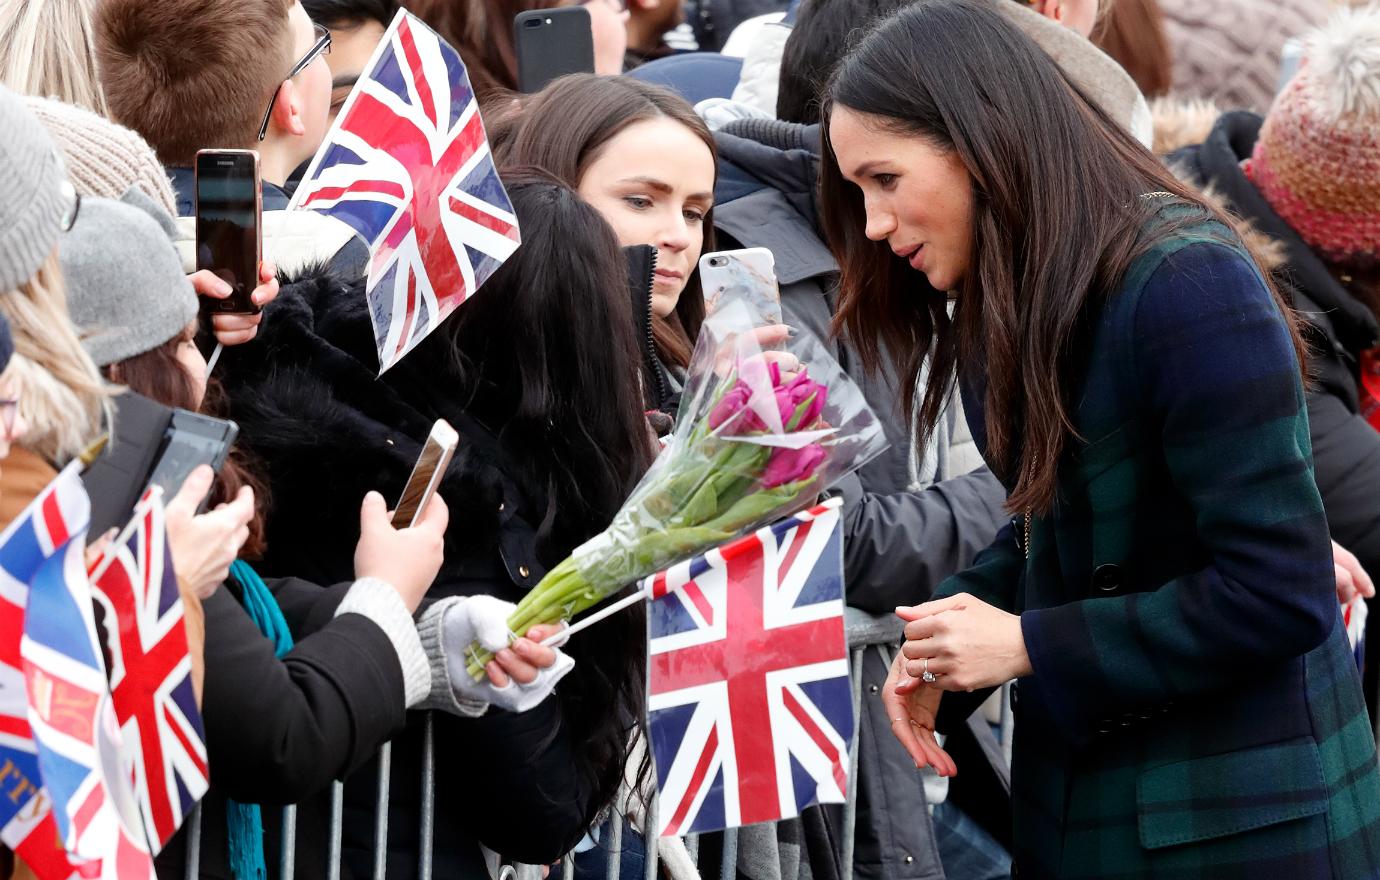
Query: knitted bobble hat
104	159
31	201
1317	161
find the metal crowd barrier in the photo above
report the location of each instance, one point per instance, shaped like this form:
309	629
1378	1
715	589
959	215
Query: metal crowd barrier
864	631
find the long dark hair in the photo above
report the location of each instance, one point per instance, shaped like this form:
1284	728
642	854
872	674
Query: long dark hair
1058	218
158	375
546	358
563	128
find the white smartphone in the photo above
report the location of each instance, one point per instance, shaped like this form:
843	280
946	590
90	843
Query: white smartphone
426	474
747	276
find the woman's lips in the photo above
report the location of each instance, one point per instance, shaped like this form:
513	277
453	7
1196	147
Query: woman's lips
911	255
917	258
668	275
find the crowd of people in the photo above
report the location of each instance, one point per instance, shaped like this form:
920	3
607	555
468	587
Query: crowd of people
1107	272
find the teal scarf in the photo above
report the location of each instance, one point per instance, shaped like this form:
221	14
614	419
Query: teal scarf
245	821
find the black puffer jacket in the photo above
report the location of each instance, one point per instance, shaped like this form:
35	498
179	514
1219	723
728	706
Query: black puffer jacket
1346	449
327	429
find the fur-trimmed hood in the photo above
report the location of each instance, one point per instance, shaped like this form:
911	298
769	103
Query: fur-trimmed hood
327	429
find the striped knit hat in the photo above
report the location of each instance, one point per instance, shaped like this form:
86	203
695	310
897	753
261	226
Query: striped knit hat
1317	161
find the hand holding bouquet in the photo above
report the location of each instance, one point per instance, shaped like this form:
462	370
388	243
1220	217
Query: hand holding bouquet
751	444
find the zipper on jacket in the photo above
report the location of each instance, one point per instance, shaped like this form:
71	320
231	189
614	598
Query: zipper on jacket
653	362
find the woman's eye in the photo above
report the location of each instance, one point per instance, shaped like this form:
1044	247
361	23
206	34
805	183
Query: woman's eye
885	181
638	202
694	216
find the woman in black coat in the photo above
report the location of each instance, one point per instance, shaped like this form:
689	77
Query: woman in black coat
539	374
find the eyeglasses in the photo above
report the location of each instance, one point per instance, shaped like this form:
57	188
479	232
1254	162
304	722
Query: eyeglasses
321	47
71	207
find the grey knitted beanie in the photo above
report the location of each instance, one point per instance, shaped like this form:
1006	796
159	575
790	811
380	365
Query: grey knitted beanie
31	202
103	158
125	285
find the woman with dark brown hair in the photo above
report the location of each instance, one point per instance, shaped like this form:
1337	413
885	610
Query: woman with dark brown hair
1186	703
646	162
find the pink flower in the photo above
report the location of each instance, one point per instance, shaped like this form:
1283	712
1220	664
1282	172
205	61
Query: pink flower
733	407
801	391
792	465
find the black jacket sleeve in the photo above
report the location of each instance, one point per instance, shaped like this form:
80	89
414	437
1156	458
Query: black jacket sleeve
1346	462
898	546
306	606
279	730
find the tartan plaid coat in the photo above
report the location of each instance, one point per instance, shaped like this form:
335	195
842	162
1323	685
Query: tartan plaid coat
1195	710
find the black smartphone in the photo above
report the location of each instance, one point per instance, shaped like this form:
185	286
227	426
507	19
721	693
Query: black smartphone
228	217
426	474
192	440
552	43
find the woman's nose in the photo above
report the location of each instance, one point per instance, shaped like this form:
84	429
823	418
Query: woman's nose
880	224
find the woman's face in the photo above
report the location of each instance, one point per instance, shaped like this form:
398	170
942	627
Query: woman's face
654	184
191	361
918	197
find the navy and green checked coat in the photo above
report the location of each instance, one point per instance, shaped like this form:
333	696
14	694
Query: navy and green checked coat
1194	711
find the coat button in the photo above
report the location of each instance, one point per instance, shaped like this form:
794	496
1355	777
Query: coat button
522	570
909	860
1107	577
874	689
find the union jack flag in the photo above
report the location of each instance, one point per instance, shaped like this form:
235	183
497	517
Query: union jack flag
69	708
151	673
749	705
407	165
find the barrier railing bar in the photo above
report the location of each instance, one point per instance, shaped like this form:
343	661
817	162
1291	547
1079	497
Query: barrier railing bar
651	836
193	844
850	805
615	845
287	858
381	812
337	828
424	851
728	868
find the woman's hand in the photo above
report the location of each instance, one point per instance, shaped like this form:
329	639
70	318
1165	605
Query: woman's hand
203	546
912	708
1351	577
240	328
406	559
965	642
521	675
525	658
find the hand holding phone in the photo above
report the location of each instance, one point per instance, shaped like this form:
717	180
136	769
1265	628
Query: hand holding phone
229	238
407	559
203	545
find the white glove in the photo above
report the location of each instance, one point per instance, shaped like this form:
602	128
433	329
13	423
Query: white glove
485	619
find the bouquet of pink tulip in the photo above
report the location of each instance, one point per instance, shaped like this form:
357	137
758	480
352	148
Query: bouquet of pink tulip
754	440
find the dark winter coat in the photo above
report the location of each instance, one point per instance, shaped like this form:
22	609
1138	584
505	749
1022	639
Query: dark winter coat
1346	449
279	730
310	406
898	545
1195	710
